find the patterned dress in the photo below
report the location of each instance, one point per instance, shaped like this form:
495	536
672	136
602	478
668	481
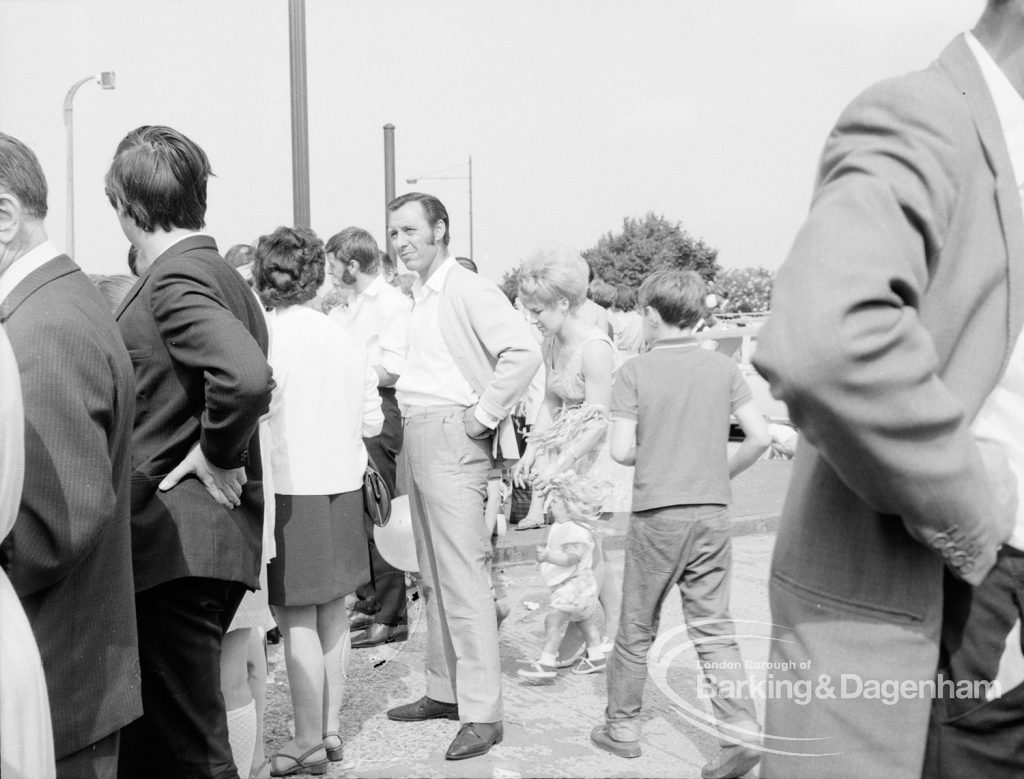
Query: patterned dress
576	415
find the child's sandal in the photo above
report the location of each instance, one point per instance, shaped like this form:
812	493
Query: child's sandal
538	673
588	666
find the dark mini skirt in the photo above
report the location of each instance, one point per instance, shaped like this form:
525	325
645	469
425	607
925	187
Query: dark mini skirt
321	549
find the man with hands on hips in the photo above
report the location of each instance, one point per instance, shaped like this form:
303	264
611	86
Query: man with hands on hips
198	342
471	356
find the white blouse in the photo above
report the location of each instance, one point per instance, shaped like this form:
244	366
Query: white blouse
324	404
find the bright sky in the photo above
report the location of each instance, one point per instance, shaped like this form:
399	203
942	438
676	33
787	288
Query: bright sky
577	114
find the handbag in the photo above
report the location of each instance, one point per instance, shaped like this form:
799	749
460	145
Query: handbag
376	496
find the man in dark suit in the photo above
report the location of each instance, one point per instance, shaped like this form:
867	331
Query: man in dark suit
198	344
894	323
69	555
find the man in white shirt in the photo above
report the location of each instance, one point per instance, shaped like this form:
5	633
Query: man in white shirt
378	315
895	331
981	632
471	357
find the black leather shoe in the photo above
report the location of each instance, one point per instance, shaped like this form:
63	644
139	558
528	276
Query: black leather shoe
359	621
475	739
377	634
366	606
423	709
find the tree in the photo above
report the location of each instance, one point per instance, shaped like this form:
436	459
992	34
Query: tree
749	289
646	245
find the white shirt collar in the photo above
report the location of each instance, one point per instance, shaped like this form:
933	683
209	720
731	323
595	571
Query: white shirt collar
373	290
436	281
1008	102
186	238
24	265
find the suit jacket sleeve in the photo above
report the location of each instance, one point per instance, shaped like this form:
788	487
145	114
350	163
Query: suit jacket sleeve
845	348
202	333
506	337
67	454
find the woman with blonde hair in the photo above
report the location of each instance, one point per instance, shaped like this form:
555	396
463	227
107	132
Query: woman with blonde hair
571	432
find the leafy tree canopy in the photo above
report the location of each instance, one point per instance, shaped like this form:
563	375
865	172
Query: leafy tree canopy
653	243
646	245
749	289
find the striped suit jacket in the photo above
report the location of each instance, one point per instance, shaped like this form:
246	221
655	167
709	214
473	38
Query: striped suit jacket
69	554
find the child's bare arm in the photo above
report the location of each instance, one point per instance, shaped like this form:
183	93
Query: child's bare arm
568	555
757	438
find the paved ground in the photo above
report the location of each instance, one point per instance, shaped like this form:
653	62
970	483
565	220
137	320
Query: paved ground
546	728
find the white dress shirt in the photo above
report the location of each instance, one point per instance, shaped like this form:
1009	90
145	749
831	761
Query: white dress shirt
1001	418
431	377
379	317
325	403
24	265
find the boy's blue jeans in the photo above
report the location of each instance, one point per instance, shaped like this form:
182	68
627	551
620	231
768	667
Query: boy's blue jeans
687	547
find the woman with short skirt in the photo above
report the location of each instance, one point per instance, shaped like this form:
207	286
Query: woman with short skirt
324	404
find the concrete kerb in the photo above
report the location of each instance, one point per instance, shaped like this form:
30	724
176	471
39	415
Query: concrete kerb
520	547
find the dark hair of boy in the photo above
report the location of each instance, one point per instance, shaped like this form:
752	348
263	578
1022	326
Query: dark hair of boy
158	180
677	296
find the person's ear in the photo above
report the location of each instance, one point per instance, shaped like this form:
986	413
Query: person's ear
10	217
438	231
653	317
563	305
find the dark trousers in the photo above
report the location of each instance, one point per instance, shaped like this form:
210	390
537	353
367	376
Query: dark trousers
387	587
689	549
183	731
970	735
96	761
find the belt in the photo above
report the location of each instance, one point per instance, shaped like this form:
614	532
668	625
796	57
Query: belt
410	412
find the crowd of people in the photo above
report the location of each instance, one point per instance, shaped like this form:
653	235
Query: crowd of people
185	452
197	434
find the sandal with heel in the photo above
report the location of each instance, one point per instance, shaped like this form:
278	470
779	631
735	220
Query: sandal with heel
335	754
303	765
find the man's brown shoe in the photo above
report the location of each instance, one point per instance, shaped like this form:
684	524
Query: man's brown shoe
359	621
475	739
423	709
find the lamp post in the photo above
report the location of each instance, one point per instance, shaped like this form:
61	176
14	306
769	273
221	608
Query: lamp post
106	80
468	178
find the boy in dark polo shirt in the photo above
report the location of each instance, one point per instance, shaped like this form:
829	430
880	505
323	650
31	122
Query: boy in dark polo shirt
671	410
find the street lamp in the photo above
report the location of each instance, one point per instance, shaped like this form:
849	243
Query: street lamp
106	80
456	178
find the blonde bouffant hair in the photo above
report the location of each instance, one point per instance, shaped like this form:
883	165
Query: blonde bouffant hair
548	276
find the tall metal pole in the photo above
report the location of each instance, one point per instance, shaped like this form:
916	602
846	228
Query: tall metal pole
389	181
471	207
300	123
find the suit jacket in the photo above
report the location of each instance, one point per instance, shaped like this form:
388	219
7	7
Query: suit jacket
892	320
492	345
198	343
69	555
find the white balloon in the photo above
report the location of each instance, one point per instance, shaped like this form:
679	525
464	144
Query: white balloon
394	541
